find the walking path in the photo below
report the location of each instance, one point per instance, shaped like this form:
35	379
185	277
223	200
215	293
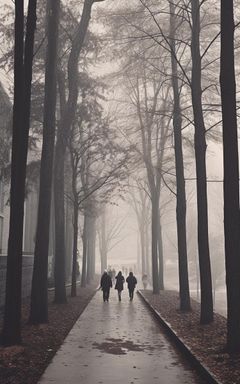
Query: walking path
118	342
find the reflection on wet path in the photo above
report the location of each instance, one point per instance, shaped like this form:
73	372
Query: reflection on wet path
118	342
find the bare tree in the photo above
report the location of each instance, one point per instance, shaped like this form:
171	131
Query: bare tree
179	165
39	295
231	175
200	155
65	123
23	58
140	202
108	235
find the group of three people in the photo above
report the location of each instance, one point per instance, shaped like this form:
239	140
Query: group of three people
106	284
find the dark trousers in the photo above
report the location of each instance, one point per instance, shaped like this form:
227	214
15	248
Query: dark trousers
131	292
106	294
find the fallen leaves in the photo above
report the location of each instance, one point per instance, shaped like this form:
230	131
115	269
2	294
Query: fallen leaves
207	342
25	364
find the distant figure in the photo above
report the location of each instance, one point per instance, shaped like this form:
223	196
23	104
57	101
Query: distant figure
113	274
106	284
110	272
131	281
144	280
119	284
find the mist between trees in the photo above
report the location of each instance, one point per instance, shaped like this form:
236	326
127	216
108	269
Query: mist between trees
120	104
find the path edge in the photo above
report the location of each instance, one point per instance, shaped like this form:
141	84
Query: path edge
201	368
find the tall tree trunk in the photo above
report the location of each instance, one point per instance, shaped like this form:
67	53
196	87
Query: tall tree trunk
197	280
141	214
142	242
231	176
39	294
153	175
93	245
103	243
89	249
180	181
74	256
12	312
148	267
85	250
139	264
59	266
155	267
200	154
11	333
160	254
63	132
68	234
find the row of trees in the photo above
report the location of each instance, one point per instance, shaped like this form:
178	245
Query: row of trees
84	155
169	83
158	80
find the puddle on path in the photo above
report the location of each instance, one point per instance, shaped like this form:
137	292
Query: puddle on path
118	346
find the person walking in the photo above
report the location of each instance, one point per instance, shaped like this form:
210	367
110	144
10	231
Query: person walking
131	281
119	284
106	284
113	274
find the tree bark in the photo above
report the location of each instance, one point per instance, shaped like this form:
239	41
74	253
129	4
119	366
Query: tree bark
11	333
155	266
146	126
141	212
148	266
180	181
89	249
85	250
74	257
231	175
200	154
39	294
160	254
103	250
23	58
93	245
59	266
143	247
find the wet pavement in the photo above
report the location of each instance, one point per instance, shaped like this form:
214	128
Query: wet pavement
118	342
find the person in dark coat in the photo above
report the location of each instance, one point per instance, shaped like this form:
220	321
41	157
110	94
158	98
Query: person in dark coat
106	284
119	284
131	281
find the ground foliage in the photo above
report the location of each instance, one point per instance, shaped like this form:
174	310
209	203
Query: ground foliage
207	342
25	364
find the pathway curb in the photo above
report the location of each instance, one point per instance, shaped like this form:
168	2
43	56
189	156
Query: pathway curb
205	372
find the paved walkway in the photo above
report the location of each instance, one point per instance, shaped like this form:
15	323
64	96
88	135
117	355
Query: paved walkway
118	342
